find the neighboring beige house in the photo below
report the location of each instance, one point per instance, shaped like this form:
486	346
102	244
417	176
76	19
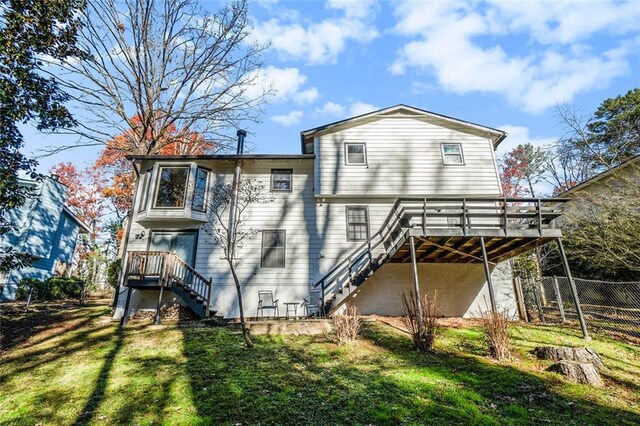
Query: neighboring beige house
620	181
346	212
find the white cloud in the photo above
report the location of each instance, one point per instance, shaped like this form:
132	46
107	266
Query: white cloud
519	135
331	109
340	111
319	42
289	119
359	9
287	84
359	108
464	46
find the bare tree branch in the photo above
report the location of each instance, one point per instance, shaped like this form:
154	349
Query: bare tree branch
156	65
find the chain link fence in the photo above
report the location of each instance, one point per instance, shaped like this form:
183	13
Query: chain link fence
608	306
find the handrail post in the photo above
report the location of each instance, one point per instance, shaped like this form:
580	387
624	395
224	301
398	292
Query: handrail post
208	297
504	212
163	269
464	217
539	210
424	217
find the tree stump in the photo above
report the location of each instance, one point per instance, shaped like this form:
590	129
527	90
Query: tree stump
578	372
561	353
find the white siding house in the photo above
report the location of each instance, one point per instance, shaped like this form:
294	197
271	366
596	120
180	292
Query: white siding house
359	192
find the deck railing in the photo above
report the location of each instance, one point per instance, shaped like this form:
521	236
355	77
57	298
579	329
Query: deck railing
446	216
167	268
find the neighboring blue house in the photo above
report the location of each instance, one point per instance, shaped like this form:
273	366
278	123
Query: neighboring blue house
45	229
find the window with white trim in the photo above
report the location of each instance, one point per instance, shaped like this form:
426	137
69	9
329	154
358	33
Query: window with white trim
357	223
172	187
356	154
452	153
281	180
273	249
200	190
144	193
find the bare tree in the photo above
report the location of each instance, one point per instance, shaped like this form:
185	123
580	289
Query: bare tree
228	234
570	160
162	66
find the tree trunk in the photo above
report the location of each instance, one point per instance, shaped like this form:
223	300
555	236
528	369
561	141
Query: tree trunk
578	372
562	353
245	332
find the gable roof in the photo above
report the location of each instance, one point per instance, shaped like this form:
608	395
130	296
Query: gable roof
596	178
84	229
306	135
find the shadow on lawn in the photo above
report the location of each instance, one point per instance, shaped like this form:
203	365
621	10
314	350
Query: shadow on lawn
301	380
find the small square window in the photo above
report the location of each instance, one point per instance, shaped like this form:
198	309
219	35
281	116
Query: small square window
281	180
356	154
357	224
273	249
452	153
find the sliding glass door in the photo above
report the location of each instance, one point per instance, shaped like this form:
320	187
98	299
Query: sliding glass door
182	242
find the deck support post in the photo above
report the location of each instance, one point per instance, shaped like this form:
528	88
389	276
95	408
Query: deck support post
487	272
156	319
574	291
416	284
125	317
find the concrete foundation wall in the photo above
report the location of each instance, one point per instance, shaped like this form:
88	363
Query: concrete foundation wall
461	289
144	300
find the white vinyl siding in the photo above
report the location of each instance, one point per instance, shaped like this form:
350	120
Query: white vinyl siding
404	157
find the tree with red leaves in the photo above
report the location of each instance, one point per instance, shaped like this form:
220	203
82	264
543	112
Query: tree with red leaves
85	199
113	164
522	169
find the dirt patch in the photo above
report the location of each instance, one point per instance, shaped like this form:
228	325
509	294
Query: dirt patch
398	322
172	312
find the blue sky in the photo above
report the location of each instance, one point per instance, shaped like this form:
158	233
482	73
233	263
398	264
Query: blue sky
500	64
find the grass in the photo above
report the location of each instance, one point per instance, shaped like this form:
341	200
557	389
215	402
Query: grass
77	368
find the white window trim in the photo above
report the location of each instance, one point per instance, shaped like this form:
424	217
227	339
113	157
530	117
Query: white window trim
284	249
346	154
367	222
157	186
442	144
273	171
206	189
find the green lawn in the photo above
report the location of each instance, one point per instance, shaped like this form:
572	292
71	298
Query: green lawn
78	369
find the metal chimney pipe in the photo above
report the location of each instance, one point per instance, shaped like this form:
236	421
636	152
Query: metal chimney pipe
233	204
241	135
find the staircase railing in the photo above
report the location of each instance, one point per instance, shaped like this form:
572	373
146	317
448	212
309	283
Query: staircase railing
363	256
447	215
168	268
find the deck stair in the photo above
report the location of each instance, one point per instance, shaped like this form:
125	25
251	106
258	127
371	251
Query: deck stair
155	269
447	230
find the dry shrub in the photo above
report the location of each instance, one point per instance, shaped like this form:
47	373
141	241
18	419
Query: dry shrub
423	322
347	325
496	329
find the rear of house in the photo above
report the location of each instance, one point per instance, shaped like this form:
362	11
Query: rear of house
344	216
